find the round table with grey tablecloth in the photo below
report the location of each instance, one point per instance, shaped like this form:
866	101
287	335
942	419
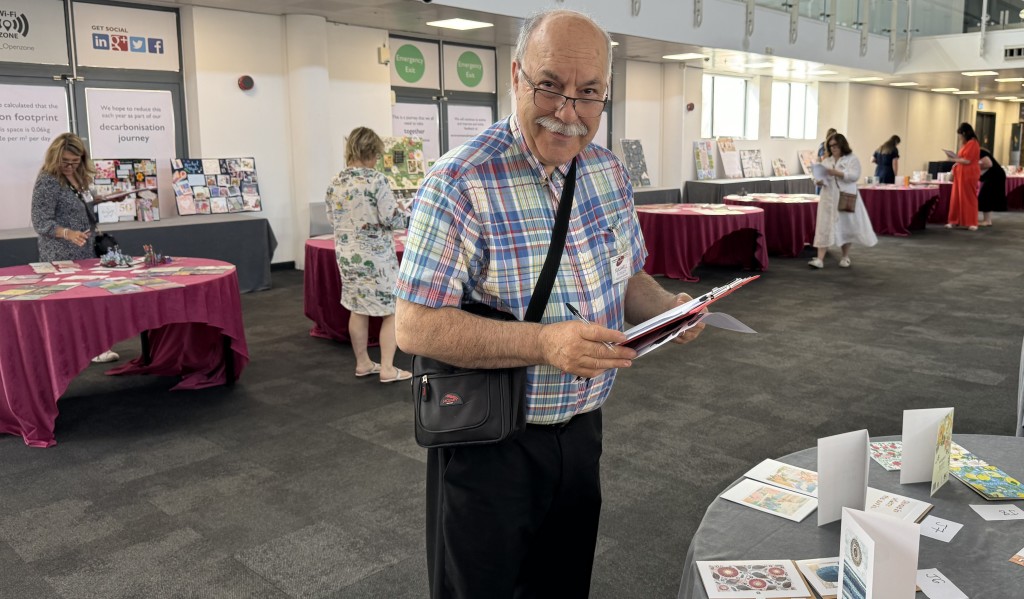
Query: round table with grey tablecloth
976	560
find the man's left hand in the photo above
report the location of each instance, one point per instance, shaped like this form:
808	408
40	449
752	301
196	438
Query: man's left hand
693	333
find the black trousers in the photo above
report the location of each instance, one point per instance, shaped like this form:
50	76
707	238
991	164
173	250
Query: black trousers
517	519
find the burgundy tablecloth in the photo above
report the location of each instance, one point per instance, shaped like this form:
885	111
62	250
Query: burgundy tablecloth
680	236
1015	192
940	215
789	219
46	342
896	210
322	291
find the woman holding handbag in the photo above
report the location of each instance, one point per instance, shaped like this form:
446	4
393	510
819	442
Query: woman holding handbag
60	206
842	218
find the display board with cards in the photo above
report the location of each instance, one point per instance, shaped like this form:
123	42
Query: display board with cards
133	182
402	163
215	185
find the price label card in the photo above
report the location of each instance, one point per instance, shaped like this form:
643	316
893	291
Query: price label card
936	586
939	529
999	511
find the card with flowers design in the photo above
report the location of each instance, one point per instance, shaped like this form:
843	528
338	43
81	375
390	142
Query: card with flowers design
785	476
986	480
771	499
823	574
888	454
752	578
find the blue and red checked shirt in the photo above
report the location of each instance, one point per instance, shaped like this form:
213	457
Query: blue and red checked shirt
480	230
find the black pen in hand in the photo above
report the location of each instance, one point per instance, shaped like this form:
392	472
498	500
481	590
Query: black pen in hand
580	317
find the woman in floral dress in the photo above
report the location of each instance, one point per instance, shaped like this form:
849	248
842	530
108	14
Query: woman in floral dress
363	213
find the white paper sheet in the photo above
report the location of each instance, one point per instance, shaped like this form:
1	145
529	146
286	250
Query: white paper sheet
935	585
999	511
940	529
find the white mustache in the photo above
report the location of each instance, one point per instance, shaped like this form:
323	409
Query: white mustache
556	126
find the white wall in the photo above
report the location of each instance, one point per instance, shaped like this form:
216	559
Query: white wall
360	88
642	114
225	121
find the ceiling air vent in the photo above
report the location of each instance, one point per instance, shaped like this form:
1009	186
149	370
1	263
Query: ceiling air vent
1013	52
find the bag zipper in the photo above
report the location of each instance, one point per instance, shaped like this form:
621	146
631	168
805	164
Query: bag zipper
424	385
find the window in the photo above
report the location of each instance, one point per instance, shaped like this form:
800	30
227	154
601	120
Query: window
794	110
724	112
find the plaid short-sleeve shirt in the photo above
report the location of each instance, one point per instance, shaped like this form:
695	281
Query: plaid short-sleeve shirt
480	230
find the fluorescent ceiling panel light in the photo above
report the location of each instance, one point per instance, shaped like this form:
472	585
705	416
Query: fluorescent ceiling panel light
460	24
964	93
687	56
614	43
903	83
1010	98
759	65
1008	79
945	89
862	79
979	73
821	73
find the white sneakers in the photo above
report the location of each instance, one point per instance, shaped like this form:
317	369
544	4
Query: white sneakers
816	263
845	262
107	356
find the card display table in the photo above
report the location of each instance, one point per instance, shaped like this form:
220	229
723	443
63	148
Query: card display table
194	331
896	210
321	297
976	560
789	219
715	190
679	236
940	215
1015	192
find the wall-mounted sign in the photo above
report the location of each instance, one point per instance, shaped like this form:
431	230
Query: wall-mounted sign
469	69
419	121
126	38
30	117
466	121
33	31
414	64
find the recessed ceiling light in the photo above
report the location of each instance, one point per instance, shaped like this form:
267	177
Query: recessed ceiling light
1010	98
945	89
861	79
1008	79
686	56
821	73
460	24
903	83
979	73
759	65
614	43
964	93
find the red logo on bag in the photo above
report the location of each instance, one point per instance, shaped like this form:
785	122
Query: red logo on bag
451	399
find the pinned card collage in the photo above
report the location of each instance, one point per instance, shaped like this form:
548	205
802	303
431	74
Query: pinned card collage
215	185
131	186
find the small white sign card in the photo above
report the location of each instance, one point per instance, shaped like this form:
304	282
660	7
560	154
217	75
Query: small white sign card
842	474
927	440
823	574
935	585
752	578
939	529
877	556
788	477
771	499
896	506
1005	511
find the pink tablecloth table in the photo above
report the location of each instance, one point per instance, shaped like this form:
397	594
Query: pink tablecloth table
896	210
680	236
322	290
1015	192
789	219
940	215
194	331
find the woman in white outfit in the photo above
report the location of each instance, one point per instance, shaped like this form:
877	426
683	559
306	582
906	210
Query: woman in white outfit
834	227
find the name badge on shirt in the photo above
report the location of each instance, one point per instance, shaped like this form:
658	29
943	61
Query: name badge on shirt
620	268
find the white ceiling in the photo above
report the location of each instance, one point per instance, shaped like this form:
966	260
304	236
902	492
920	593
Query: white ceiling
410	16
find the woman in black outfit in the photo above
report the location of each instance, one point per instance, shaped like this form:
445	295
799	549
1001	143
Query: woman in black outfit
992	196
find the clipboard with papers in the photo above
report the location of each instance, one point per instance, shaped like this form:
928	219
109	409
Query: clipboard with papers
663	328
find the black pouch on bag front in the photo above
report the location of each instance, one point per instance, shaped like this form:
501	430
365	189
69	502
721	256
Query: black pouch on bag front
467	406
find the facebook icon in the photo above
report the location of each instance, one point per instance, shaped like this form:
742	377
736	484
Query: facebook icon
101	41
156	45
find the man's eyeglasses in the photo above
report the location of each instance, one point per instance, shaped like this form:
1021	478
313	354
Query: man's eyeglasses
553	102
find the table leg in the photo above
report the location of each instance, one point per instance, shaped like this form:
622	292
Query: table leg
146	357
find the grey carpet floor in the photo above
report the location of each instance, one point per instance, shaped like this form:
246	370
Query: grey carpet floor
304	481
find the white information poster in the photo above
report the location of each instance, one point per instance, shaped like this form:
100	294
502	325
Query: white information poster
33	31
132	123
418	120
469	69
414	64
126	38
465	122
30	117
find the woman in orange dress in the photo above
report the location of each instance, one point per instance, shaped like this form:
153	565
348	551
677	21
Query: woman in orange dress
963	204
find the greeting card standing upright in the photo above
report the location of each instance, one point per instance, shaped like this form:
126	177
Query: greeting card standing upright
842	474
877	556
927	439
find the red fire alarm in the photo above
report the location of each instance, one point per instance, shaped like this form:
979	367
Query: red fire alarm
245	83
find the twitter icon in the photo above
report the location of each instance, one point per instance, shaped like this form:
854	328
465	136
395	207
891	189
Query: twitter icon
137	44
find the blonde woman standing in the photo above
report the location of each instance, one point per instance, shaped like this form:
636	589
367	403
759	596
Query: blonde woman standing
363	213
834	227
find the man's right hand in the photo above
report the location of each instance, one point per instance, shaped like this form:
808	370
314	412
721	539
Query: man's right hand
585	350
